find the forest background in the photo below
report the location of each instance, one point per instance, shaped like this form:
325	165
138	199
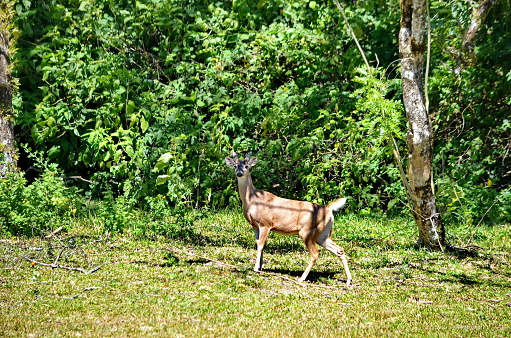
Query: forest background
137	103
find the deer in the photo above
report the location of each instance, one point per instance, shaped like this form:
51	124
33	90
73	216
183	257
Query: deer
267	212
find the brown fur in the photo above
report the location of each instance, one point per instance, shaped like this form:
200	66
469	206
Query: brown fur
267	212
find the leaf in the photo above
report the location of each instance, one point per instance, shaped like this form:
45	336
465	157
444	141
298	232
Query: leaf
50	121
83	5
162	162
143	124
391	203
130	107
162	179
118	155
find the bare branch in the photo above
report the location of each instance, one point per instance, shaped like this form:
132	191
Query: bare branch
340	8
59	266
54	232
83	179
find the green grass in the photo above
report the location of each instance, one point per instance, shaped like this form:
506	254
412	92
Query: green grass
203	285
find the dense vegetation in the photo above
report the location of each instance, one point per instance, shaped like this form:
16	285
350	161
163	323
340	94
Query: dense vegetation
117	96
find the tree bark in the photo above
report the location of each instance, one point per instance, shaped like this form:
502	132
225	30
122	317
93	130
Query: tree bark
419	135
479	13
465	55
7	148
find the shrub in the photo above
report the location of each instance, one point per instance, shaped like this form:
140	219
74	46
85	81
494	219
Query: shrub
37	208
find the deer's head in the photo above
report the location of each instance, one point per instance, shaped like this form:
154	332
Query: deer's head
241	167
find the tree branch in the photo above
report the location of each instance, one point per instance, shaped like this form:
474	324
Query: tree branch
58	266
479	14
339	7
83	179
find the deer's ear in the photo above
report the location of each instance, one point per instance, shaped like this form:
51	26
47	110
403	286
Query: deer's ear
252	162
230	162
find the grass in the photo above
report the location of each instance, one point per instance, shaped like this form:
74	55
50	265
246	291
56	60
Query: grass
203	285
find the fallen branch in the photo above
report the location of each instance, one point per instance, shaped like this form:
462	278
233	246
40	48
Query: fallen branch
79	295
71	297
54	232
59	266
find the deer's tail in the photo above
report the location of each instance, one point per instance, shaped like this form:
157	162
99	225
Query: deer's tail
338	204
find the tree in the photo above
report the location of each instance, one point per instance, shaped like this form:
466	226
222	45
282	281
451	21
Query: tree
7	149
414	16
420	135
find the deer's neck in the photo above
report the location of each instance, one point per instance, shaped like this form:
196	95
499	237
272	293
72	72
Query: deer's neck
246	188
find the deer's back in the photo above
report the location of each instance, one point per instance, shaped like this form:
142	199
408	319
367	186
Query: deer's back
284	215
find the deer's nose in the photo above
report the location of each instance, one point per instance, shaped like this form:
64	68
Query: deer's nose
239	173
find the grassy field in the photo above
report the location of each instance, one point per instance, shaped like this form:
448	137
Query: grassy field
203	284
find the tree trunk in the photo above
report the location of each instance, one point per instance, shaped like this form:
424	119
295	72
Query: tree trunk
419	135
7	149
479	14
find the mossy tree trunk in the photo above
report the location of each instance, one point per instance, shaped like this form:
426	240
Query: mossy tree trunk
479	13
420	135
7	148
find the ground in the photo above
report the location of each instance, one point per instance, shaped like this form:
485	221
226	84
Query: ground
202	284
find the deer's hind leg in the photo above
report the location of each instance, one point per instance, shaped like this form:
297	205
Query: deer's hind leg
326	242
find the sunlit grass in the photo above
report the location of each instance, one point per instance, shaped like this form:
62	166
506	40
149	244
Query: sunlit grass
204	286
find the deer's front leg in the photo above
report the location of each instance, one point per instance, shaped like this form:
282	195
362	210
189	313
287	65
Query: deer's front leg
261	235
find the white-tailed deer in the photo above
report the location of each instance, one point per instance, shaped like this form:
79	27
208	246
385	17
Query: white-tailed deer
267	212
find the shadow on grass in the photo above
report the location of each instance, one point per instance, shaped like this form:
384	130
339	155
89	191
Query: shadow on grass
456	277
467	279
196	239
313	277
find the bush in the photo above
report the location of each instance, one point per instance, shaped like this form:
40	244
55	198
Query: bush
107	87
37	208
114	85
48	203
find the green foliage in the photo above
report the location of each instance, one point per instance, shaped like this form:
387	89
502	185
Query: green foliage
116	214
146	98
374	127
470	106
46	204
121	84
378	108
38	208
